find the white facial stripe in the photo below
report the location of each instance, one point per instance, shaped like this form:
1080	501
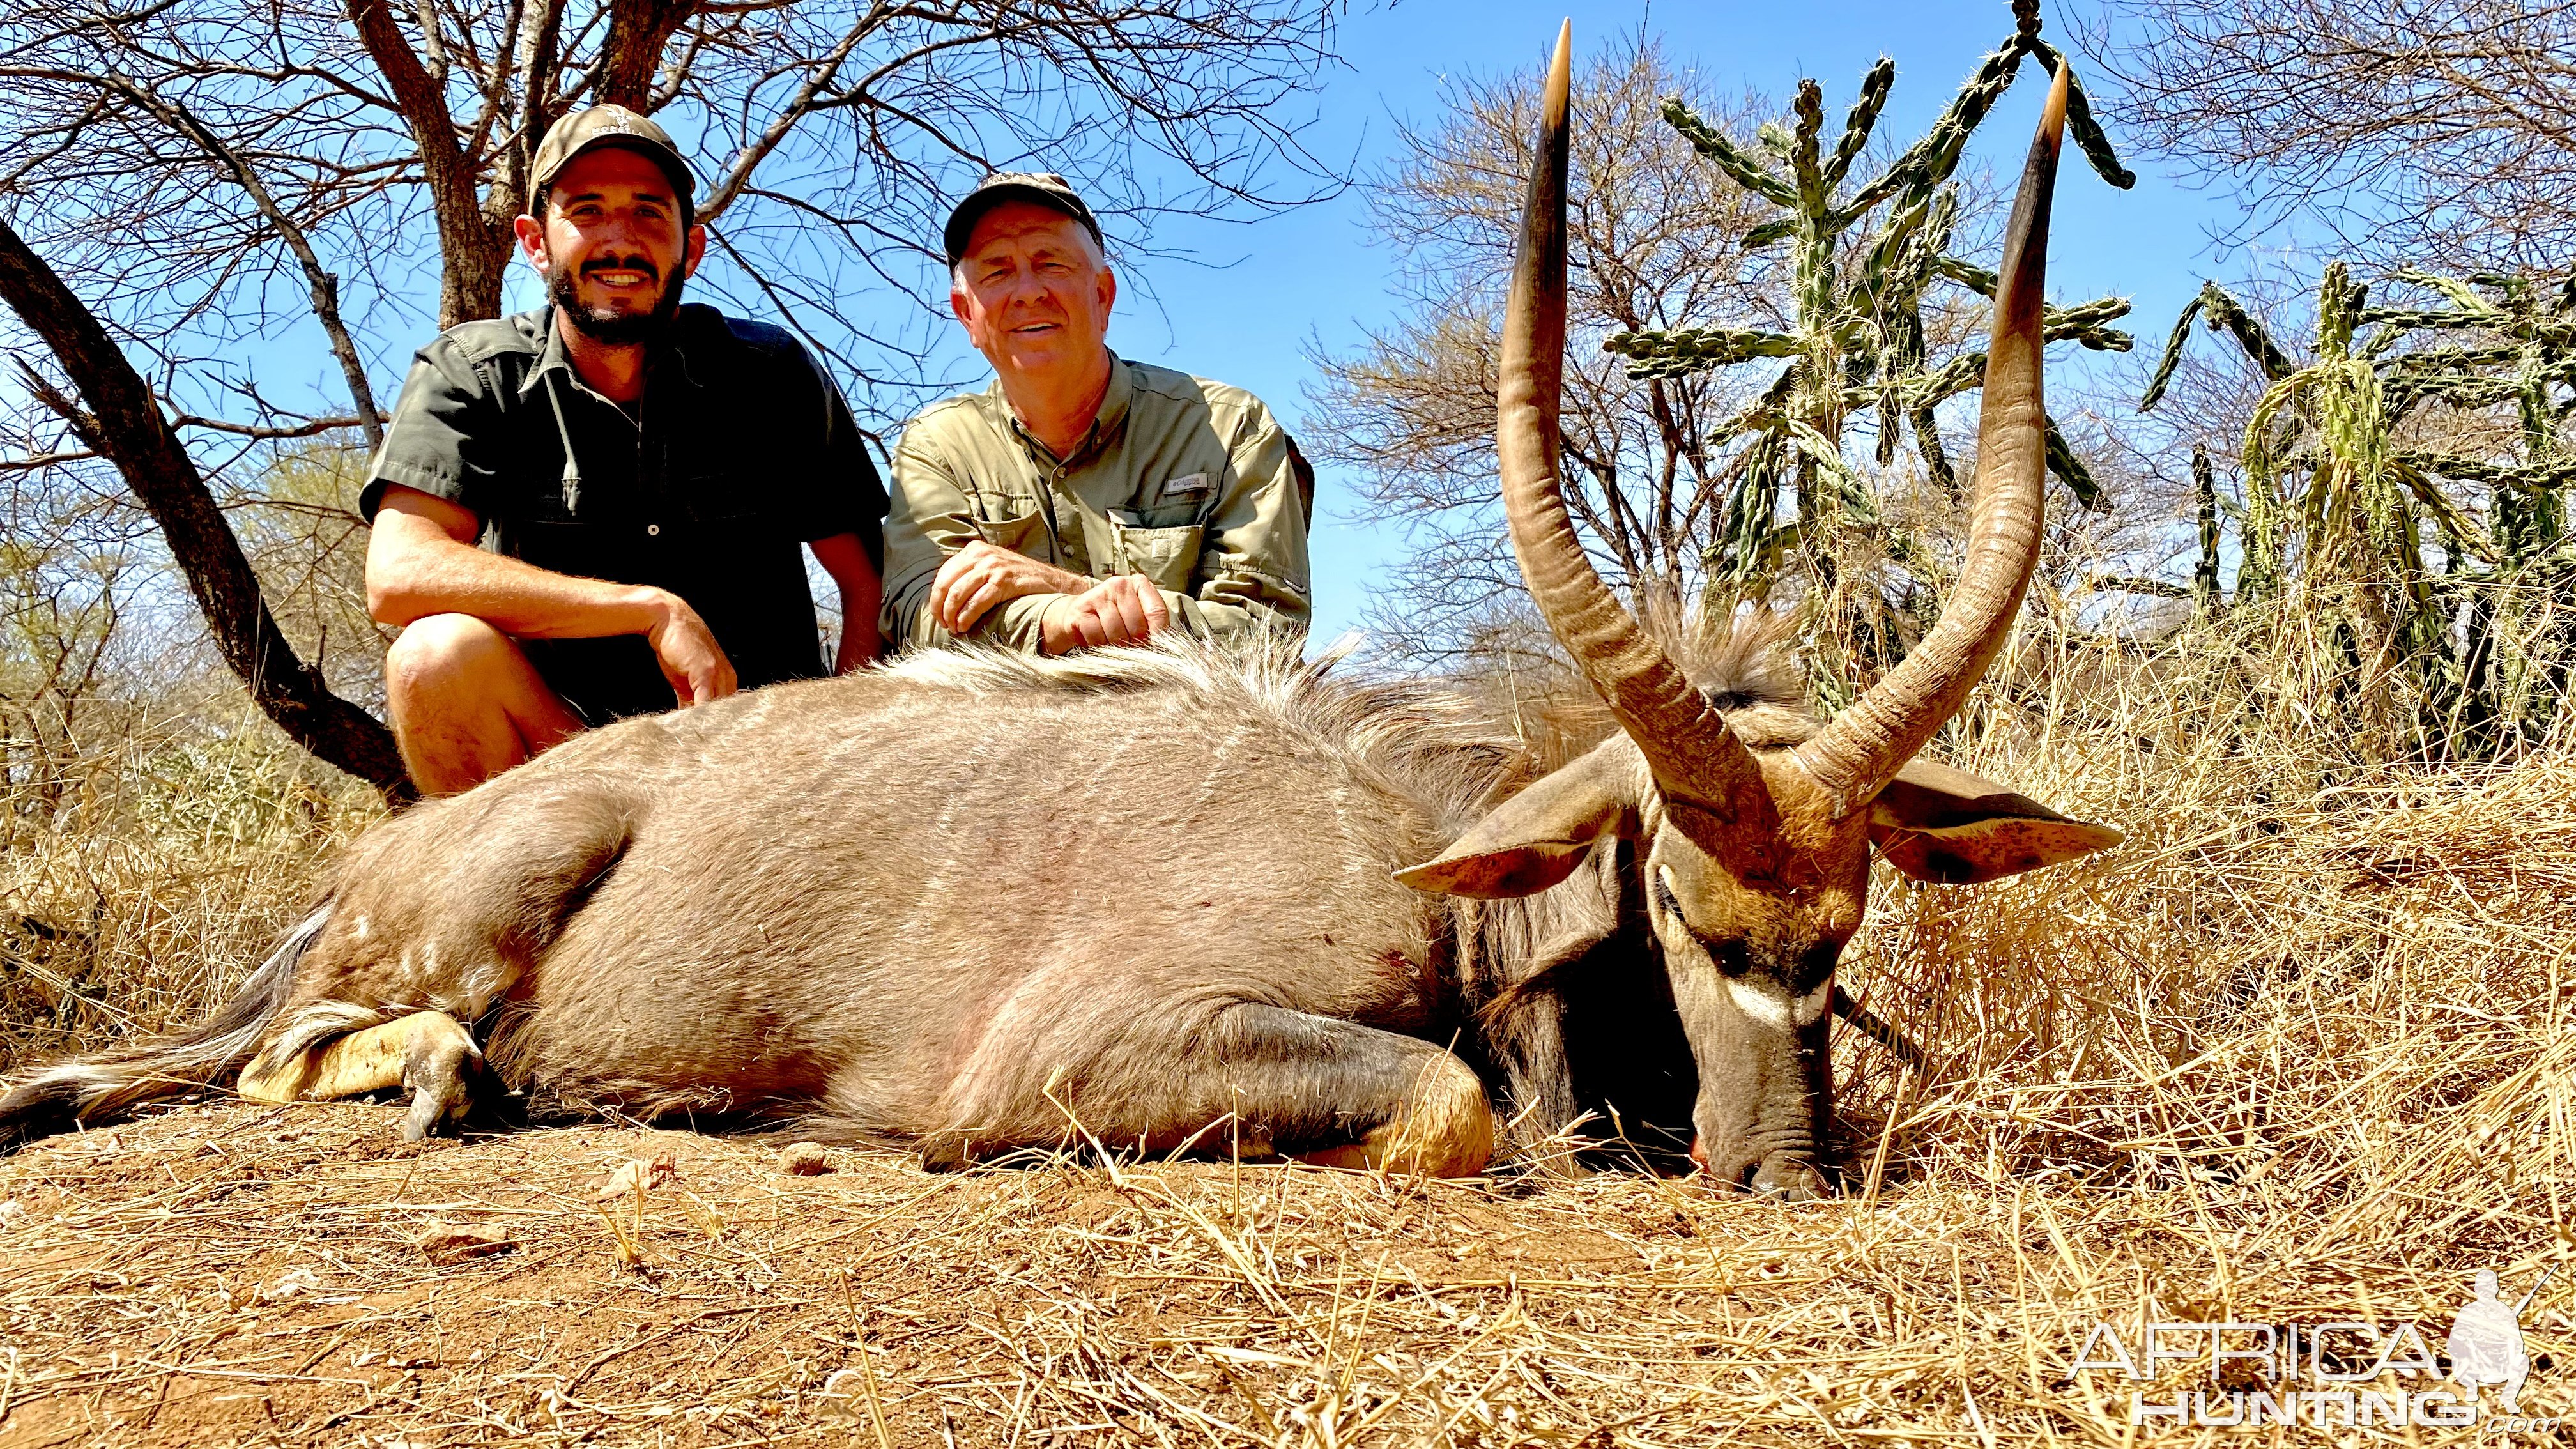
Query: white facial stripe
1811	1007
1766	1007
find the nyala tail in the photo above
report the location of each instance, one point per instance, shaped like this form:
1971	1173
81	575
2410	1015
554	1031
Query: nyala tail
70	1094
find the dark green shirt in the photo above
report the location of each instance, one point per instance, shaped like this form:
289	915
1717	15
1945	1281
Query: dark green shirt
740	450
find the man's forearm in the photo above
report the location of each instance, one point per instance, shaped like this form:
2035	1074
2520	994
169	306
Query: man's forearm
859	608
912	621
845	557
442	576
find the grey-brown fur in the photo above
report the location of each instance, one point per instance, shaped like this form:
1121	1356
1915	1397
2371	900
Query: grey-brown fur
957	899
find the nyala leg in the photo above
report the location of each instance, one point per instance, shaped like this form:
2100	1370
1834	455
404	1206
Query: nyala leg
1322	1090
427	1051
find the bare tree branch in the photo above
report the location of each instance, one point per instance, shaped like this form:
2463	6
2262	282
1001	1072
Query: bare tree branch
314	427
637	32
472	250
122	422
324	295
2441	132
748	159
45	460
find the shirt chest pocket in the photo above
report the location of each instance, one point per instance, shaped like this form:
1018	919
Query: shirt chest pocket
1019	531
1167	557
717	494
585	550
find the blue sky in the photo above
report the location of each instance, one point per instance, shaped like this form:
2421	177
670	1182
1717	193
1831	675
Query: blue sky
1315	273
1242	301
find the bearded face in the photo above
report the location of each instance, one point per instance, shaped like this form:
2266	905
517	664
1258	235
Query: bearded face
597	296
614	246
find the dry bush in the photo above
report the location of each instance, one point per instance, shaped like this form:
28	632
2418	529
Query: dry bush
2335	978
2299	1051
183	847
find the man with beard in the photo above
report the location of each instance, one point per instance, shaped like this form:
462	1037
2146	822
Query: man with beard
638	476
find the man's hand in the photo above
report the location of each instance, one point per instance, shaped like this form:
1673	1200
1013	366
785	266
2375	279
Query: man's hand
689	655
979	576
1123	609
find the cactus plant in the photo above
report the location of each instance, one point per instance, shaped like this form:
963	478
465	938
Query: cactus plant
2337	506
1857	343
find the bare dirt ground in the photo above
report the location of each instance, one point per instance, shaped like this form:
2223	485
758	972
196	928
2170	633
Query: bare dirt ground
229	1274
233	1274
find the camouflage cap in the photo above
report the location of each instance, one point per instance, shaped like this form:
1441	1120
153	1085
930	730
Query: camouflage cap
1043	187
608	125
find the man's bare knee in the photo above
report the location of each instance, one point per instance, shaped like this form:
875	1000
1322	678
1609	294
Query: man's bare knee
466	704
438	651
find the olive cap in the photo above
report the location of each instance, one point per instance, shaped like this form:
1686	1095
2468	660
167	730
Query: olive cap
1043	187
608	125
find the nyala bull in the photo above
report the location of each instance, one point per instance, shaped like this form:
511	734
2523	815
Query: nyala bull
1170	895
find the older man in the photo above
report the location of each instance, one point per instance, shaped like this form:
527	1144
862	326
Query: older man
639	475
1082	499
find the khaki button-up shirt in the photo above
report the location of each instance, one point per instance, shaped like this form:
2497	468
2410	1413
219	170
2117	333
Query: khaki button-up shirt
1185	481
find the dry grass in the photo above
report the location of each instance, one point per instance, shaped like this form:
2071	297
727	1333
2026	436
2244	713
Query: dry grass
167	870
2299	1052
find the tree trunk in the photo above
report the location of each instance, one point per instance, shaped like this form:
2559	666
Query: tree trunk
473	248
124	423
637	32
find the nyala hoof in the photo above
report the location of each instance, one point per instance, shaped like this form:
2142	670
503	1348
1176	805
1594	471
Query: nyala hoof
441	1066
428	1052
1444	1128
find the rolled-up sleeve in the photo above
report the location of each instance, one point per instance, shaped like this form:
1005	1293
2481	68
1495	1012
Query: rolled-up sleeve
1252	570
931	519
441	439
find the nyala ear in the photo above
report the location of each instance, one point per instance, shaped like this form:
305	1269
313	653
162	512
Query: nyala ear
1939	824
1536	838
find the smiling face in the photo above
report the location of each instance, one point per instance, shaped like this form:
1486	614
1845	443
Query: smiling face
1034	293
612	247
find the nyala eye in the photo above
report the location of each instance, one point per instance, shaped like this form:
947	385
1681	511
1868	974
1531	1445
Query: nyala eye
1732	957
